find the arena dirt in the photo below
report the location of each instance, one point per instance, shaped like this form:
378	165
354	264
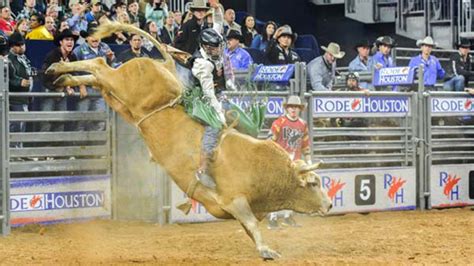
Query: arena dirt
413	237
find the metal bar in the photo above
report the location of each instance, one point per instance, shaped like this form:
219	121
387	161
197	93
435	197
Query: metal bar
58	136
59	165
57	116
4	156
59	151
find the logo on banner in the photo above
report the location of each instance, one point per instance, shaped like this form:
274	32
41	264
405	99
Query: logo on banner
449	183
393	76
452	105
334	190
350	105
56	201
274	104
394	186
279	73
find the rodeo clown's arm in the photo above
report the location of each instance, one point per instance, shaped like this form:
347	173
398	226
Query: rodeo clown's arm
202	70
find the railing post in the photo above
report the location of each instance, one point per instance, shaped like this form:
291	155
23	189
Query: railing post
421	139
4	152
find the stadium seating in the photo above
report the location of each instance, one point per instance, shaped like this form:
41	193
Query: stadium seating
308	41
257	55
306	54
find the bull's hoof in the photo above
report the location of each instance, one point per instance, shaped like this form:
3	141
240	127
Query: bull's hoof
269	254
52	69
63	80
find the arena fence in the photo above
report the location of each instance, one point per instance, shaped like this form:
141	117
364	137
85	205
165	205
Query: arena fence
4	174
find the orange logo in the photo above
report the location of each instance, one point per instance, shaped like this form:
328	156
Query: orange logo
334	188
395	186
34	200
450	183
355	103
468	104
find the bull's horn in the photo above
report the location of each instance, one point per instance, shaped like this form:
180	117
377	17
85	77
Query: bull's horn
308	168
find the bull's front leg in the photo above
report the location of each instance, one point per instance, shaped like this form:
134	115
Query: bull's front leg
92	66
240	209
74	81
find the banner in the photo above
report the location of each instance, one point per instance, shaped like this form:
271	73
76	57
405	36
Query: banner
452	185
274	104
449	106
58	199
277	74
393	76
399	106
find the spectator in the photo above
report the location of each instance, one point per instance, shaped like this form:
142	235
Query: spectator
20	79
248	30
136	18
63	25
64	41
322	69
77	22
178	18
50	25
95	11
239	58
91	49
28	10
291	133
134	51
168	31
229	21
3	45
7	24
383	58
152	29
157	11
22	27
352	82
460	70
279	51
53	11
186	39
363	62
118	9
38	30
432	67
260	41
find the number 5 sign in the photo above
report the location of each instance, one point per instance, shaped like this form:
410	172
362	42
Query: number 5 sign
365	190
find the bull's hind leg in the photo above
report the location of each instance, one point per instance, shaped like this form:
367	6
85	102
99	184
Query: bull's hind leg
73	81
241	210
93	66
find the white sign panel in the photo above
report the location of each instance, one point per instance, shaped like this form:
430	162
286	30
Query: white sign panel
370	189
197	214
452	185
445	106
58	199
399	106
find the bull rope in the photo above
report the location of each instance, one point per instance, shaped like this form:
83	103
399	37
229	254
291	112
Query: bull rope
172	103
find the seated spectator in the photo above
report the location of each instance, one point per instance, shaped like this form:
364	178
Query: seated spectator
229	21
50	25
187	36
248	30
38	30
362	62
352	82
64	41
432	67
77	22
322	69
53	11
157	11
152	29
178	18
91	49
134	51
460	70
27	11
239	58
22	26
279	51
136	18
168	31
63	26
20	79
260	41
95	11
382	57
7	24
118	9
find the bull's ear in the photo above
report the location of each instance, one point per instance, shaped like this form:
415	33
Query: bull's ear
307	168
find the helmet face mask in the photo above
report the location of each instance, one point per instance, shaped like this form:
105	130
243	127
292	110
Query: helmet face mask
212	43
214	53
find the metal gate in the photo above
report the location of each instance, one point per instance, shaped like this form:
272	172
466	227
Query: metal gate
4	174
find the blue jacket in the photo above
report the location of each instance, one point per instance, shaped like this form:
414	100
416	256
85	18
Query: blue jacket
433	69
239	58
379	58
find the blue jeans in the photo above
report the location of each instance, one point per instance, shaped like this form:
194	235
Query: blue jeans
456	83
17	126
211	135
49	105
90	104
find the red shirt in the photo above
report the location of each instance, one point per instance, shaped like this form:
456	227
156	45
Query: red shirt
7	26
291	136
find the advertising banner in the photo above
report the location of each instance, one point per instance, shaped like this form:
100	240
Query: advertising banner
277	73
389	76
452	106
58	199
452	185
274	104
374	106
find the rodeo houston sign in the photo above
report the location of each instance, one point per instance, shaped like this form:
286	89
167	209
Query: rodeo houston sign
399	106
277	74
452	185
391	76
446	106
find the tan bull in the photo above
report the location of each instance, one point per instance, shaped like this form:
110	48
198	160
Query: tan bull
253	177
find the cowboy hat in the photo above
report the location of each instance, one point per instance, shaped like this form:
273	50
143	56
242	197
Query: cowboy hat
286	31
91	28
67	33
16	39
362	43
426	41
233	34
465	43
294	100
386	40
334	49
198	4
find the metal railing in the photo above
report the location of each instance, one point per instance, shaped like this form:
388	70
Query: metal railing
464	19
4	165
174	5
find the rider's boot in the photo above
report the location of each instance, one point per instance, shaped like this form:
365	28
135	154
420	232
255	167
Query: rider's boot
202	173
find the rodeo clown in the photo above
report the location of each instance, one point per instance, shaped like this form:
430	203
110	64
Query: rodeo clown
291	133
213	73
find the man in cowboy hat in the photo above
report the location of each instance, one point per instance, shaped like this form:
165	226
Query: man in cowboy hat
279	51
91	49
63	53
382	57
239	58
432	67
322	69
187	36
291	133
362	62
460	70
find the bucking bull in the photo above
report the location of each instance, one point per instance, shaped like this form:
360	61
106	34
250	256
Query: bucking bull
253	177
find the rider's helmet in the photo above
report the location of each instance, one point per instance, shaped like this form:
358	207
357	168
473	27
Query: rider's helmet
212	43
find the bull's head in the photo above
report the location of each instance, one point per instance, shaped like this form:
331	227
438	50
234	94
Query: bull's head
310	196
